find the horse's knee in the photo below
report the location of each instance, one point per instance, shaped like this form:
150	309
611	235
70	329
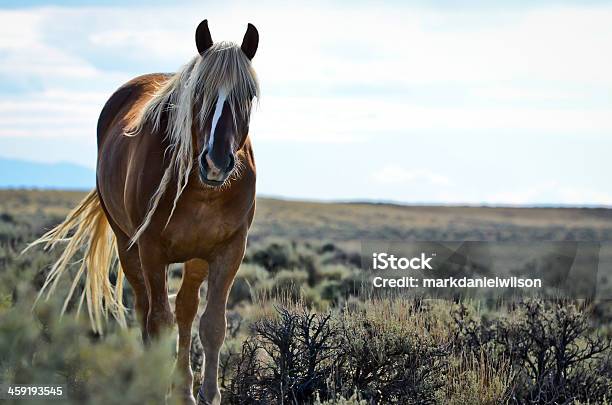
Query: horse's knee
185	311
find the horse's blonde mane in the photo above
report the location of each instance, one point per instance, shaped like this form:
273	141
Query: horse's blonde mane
192	91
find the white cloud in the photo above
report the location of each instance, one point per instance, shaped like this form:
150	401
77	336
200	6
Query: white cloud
359	119
398	175
154	42
492	57
552	192
337	74
25	53
18	29
51	113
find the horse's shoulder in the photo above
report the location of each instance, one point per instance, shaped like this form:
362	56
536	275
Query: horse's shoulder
130	91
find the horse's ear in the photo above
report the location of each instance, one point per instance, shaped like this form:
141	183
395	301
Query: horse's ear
202	37
250	41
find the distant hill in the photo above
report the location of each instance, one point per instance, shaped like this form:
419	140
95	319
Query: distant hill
25	174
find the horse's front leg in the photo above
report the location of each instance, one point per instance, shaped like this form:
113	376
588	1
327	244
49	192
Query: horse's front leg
186	308
222	269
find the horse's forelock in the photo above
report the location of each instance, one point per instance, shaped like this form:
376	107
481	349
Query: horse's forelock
224	66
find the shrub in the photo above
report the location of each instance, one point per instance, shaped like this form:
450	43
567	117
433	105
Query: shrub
556	355
386	363
274	256
289	282
249	276
300	357
39	348
286	361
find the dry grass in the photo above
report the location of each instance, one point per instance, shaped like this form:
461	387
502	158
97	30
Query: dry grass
476	380
346	221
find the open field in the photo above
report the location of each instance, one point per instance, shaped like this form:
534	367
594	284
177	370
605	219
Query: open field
295	287
354	221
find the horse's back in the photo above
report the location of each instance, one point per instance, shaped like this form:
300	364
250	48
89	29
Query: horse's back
124	98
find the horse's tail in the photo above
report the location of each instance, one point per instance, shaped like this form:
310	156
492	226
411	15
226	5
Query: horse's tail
86	228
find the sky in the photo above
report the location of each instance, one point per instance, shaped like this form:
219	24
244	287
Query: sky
417	102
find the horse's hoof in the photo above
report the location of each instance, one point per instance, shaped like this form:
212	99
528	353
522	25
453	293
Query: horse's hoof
216	400
202	401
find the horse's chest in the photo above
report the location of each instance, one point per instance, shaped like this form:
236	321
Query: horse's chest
199	232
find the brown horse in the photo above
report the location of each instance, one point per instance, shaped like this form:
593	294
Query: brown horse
175	184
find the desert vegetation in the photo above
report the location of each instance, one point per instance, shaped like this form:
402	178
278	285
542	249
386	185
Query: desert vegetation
298	333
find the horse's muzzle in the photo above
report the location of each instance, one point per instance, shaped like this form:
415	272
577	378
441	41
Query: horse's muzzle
211	172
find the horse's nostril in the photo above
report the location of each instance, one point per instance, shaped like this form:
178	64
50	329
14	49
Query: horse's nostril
203	158
231	163
212	169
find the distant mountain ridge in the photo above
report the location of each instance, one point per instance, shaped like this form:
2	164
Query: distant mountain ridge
15	173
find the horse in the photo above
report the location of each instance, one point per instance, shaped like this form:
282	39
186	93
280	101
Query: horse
175	183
